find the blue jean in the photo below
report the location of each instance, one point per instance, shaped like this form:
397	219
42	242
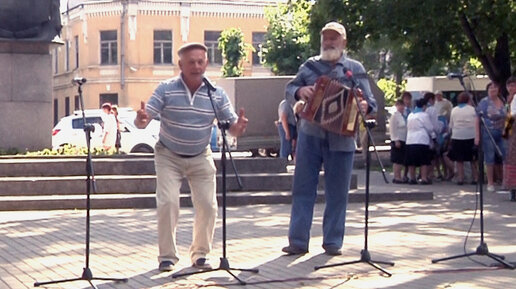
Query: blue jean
286	148
312	153
489	148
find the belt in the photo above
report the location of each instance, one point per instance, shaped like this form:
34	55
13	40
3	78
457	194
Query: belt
189	156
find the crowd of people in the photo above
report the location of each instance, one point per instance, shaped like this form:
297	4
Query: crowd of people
437	138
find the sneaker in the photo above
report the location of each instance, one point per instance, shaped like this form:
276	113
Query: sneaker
332	251
166	266
395	181
490	188
412	182
503	192
201	263
291	250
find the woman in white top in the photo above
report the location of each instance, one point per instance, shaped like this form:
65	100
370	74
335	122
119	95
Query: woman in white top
420	133
398	133
462	127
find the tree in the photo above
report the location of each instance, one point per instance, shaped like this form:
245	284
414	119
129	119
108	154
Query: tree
287	41
234	51
437	35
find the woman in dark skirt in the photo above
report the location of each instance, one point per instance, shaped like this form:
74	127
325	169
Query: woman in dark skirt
462	127
420	132
398	134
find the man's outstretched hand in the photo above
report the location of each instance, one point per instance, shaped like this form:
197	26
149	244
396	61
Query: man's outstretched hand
238	128
142	118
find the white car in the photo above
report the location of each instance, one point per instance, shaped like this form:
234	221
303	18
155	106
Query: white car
70	130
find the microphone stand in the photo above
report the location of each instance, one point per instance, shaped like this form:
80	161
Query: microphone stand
365	256
482	249
224	262
90	183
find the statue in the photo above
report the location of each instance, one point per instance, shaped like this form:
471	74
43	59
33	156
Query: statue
32	20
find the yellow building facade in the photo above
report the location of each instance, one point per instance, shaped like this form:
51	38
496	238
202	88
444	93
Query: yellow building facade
125	48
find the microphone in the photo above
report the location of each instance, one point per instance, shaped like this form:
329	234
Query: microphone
349	74
208	84
456	75
79	80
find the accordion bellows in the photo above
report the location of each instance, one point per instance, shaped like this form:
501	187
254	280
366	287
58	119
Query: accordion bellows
333	107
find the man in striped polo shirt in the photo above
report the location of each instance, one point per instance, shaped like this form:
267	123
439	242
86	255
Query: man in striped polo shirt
186	113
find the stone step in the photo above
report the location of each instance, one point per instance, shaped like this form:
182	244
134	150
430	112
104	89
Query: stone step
121	165
110	201
133	184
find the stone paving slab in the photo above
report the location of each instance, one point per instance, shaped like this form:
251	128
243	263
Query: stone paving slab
42	246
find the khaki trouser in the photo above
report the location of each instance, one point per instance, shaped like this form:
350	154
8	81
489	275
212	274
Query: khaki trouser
200	173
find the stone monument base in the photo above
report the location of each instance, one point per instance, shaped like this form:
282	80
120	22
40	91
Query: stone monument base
25	95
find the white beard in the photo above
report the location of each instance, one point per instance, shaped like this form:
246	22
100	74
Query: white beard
330	54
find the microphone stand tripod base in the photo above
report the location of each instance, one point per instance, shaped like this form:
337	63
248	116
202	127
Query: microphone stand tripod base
481	250
224	265
365	257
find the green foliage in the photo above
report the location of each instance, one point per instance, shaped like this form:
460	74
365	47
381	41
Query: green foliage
287	42
390	89
425	36
234	51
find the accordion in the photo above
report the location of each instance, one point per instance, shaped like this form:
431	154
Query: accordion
333	107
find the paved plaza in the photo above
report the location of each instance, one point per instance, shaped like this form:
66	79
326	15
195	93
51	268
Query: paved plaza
43	246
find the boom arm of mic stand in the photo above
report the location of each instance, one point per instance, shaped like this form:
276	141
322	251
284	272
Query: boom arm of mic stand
368	130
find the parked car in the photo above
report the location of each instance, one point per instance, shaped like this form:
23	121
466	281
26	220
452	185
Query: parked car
70	130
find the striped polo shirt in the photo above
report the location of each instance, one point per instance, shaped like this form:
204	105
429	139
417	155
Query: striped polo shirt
186	119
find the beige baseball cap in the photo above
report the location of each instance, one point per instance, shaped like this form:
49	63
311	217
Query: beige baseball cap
191	45
335	26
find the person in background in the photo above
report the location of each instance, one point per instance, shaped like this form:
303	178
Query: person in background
118	141
429	98
109	127
406	97
287	129
398	134
443	107
420	133
492	110
462	128
185	109
509	175
317	147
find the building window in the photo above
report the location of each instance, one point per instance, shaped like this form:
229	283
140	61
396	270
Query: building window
162	47
56	61
76	103
76	44
108	97
67	105
108	47
211	40
258	40
56	111
67	55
